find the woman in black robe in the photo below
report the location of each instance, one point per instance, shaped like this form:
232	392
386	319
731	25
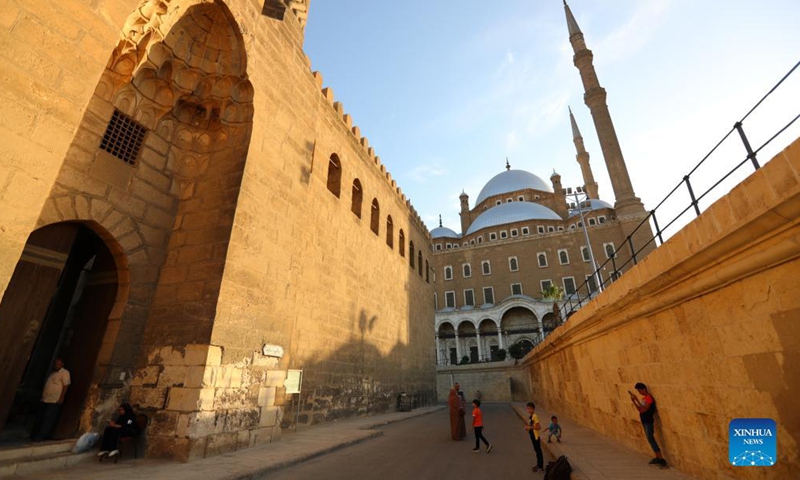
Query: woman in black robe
124	426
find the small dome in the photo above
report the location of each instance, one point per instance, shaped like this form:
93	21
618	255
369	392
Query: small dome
511	213
591	204
511	181
442	232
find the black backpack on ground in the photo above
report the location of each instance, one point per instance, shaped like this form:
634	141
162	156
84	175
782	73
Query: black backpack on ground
558	470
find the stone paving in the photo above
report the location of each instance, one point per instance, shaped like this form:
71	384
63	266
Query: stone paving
251	463
596	457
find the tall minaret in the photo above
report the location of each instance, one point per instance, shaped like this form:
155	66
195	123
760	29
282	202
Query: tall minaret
583	159
595	98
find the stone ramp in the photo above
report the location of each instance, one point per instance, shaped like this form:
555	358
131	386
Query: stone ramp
596	457
251	463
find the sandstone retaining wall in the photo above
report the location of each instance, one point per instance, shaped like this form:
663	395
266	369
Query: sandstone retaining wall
709	321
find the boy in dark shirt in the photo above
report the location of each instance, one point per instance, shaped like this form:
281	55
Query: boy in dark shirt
647	410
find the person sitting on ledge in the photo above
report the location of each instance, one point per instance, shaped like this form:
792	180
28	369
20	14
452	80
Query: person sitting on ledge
124	426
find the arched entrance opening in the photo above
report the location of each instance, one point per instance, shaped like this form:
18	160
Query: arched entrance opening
57	305
520	325
490	340
446	344
466	335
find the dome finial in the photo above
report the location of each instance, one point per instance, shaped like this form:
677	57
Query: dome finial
440	219
508	166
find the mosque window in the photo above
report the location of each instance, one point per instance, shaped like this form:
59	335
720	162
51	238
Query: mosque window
427	272
592	222
355	204
546	284
419	263
572	227
551	229
514	232
516	289
560	229
411	253
448	272
374	224
540	229
450	299
601	219
591	284
389	232
563	257
509	200
569	285
503	234
536	197
455	245
541	258
585	254
486	267
467	270
466	244
580	224
472	242
449	246
513	264
469	297
488	295
610	250
123	138
480	239
526	231
402	241
438	246
335	175
521	198
492	236
498	202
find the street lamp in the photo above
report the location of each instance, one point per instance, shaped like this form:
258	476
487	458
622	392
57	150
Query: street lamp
576	193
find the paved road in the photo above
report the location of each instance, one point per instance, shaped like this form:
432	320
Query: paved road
421	448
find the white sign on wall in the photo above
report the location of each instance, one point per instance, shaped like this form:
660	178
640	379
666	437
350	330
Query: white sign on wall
294	379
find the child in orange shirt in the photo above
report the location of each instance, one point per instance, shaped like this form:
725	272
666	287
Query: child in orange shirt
477	426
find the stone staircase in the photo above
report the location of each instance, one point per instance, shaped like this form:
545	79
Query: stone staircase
30	458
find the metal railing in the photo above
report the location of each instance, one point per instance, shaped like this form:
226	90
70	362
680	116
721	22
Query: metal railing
683	189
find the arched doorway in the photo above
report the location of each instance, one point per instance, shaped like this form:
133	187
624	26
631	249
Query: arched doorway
520	324
56	306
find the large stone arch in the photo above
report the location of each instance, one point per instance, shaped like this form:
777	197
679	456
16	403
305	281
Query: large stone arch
73	283
179	71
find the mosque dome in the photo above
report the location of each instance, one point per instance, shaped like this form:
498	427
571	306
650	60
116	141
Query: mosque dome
444	232
589	205
511	213
511	181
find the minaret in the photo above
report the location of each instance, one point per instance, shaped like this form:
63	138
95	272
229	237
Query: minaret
559	196
465	217
583	159
595	98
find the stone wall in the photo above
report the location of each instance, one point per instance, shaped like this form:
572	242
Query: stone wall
497	381
708	321
226	234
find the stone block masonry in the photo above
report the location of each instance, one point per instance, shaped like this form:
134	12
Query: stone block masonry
224	230
708	321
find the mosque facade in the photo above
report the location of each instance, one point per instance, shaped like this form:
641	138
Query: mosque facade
528	246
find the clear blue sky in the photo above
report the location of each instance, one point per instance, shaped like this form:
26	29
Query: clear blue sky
445	90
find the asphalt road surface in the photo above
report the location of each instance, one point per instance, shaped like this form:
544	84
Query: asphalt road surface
421	449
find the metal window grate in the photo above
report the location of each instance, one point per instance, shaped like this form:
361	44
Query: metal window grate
123	138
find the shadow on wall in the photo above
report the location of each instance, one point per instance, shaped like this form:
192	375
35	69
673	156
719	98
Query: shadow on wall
356	379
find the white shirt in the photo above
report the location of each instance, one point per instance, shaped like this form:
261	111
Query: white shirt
54	384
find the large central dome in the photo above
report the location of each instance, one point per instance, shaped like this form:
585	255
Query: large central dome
511	181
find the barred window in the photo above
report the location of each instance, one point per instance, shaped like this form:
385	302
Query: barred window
123	138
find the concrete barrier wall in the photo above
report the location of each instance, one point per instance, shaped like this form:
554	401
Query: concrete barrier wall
710	321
